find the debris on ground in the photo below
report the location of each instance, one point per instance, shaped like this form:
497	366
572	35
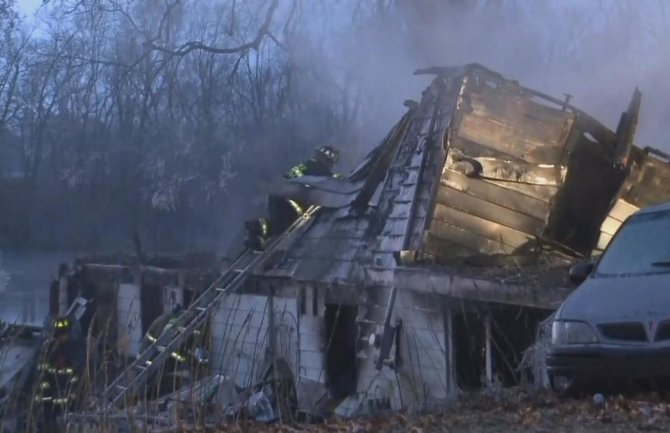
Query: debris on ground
541	412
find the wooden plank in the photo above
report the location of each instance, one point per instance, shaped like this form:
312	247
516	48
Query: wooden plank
391	243
400	211
428	347
341	249
445	249
622	210
500	168
418	322
250	334
249	351
509	139
510	103
310	342
309	359
312	374
251	348
510	122
626	129
235	319
486	228
610	226
474	148
531	293
429	361
490	211
652	185
511	107
334	231
603	241
247	302
489	355
463	236
522	199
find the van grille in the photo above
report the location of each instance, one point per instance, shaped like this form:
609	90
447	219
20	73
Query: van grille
624	331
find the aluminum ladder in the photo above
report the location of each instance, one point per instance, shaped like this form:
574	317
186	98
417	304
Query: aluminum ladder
194	316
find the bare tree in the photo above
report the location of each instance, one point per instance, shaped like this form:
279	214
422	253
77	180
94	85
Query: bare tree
10	60
164	114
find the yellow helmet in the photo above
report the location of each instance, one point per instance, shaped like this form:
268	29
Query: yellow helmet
61	325
329	153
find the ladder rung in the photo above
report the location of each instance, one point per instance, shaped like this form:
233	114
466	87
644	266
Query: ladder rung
201	308
160	348
181	328
121	387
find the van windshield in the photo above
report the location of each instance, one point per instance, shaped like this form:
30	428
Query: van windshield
642	246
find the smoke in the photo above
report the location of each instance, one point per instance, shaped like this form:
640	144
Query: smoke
358	57
596	51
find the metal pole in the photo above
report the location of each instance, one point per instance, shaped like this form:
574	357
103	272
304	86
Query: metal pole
489	360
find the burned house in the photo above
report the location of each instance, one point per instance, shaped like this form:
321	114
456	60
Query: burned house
127	293
424	272
427	271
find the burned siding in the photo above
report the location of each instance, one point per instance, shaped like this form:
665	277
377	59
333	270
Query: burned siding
311	370
242	328
521	167
647	184
504	169
406	195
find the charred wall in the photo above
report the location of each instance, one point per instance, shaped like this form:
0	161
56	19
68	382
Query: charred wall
503	171
583	203
524	167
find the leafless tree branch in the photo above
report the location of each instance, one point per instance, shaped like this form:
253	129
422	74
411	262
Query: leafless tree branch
254	44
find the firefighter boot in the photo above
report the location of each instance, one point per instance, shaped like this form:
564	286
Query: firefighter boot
255	239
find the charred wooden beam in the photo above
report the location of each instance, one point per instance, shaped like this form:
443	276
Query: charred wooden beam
544	288
626	129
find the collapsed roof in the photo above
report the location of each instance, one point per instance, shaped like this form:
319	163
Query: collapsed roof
480	172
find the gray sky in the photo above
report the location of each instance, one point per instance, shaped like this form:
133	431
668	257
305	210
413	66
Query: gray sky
28	7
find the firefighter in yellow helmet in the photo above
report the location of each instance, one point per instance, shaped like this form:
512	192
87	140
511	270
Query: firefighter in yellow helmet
58	369
282	212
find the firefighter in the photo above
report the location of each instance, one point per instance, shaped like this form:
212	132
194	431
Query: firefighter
163	323
58	370
282	212
181	359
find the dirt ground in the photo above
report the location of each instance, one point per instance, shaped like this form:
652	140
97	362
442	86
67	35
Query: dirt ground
510	413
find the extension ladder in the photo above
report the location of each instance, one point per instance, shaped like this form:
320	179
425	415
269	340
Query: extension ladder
193	317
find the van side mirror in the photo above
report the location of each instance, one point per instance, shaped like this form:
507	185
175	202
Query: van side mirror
580	271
